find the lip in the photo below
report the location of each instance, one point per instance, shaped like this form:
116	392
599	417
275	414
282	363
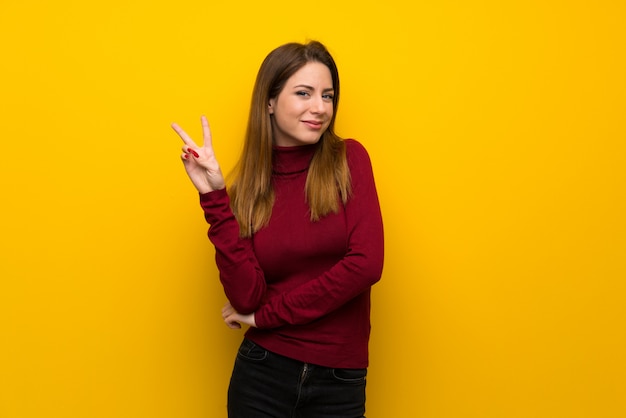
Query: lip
313	124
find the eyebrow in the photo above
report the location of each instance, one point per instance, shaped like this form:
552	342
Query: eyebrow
299	86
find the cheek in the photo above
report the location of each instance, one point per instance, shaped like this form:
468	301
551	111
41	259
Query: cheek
291	109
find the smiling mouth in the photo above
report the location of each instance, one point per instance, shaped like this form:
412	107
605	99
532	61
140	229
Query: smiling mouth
313	124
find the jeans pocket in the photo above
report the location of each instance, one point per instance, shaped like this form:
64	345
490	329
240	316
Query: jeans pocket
250	351
349	375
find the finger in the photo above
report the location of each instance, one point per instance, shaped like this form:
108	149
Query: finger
206	132
233	325
227	311
231	321
183	135
190	151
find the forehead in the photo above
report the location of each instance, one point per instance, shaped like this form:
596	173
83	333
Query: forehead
314	74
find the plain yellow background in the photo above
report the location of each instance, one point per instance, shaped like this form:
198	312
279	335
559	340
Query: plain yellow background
498	139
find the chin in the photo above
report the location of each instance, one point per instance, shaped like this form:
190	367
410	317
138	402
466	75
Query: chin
309	141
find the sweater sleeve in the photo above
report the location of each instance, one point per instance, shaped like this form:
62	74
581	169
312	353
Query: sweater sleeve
355	273
240	273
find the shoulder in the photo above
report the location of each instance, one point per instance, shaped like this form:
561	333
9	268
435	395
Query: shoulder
356	152
355	149
352	145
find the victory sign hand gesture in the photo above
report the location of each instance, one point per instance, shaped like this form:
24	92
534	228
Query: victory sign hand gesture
200	162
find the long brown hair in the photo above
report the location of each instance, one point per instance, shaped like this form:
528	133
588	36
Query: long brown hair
328	179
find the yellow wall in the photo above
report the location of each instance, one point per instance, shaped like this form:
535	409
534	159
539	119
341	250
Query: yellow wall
497	135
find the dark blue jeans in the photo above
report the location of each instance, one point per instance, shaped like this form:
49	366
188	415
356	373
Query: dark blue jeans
265	384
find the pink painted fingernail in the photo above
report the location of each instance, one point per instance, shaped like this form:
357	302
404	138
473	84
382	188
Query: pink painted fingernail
195	154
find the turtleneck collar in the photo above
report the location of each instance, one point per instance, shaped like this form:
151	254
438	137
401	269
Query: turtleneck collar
291	160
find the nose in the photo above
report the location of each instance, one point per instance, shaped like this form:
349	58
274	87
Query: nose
318	106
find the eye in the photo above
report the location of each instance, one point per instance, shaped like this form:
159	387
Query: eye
328	97
302	93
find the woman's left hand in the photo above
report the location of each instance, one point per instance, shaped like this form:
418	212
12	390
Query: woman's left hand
234	319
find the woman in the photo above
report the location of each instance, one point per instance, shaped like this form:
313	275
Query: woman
299	243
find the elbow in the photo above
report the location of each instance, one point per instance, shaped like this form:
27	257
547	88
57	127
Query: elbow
374	277
244	307
376	267
372	270
245	296
246	303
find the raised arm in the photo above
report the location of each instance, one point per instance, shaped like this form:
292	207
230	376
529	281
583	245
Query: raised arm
240	274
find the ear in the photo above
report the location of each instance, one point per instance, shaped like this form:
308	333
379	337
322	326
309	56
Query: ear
271	106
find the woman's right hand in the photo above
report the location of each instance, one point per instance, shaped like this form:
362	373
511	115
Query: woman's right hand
200	162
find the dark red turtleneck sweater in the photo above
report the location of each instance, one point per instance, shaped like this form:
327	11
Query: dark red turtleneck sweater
307	282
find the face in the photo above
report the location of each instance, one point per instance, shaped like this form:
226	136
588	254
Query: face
303	109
